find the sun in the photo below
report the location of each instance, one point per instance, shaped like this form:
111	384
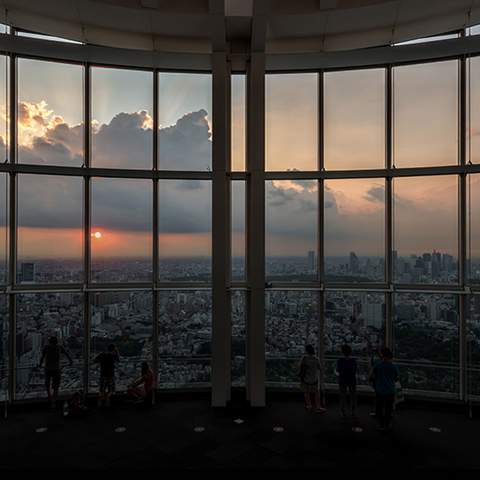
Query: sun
97	235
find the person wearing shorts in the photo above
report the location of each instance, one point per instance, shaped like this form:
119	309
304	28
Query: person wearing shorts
107	362
51	355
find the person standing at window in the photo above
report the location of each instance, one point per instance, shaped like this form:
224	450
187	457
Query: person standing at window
51	355
310	379
347	380
107	362
384	376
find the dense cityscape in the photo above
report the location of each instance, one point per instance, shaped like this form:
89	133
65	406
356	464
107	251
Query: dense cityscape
292	321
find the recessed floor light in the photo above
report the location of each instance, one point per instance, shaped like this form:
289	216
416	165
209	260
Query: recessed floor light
357	429
435	429
41	429
199	429
239	421
278	429
120	429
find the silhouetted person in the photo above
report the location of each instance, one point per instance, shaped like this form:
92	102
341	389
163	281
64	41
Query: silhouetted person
347	380
309	379
384	375
107	362
142	388
51	354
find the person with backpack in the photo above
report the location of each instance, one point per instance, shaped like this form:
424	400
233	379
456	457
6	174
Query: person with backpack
51	355
310	379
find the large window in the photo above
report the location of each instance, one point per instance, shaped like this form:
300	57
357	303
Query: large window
354	119
426	229
121	126
49	229
358	320
239	134
4	347
39	317
473	220
355	230
185	229
291	121
239	332
426	341
291	323
238	248
123	319
291	230
121	230
50	113
425	114
4	192
184	338
185	121
473	347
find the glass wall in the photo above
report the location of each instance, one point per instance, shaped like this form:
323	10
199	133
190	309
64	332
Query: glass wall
239	335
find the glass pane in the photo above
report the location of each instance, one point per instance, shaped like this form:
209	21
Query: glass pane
426	229
49	229
291	121
239	315
185	338
122	109
473	216
50	113
291	323
39	317
426	333
123	319
185	230
4	195
473	132
355	230
238	230
433	38
354	119
121	230
358	320
4	109
291	224
473	347
239	111
4	345
425	114
41	36
185	121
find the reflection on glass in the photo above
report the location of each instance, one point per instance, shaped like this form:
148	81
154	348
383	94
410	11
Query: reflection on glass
426	341
473	92
354	230
426	229
291	222
433	38
354	119
184	338
122	108
49	229
39	317
238	230
123	319
473	347
41	36
3	347
50	113
239	306
291	323
185	230
121	230
473	221
4	191
4	132
185	121
358	320
238	136
425	114
291	121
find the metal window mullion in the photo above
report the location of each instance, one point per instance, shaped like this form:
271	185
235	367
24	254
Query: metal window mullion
86	225
321	183
12	225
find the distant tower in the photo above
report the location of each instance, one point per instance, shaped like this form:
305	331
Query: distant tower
354	263
28	272
311	261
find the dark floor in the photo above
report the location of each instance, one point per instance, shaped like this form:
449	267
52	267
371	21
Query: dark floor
164	438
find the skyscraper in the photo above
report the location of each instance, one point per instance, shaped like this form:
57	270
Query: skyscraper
28	272
354	263
311	261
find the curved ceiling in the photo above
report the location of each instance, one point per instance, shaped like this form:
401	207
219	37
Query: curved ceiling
273	25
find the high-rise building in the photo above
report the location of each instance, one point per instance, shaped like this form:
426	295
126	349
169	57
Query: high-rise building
27	272
311	261
354	263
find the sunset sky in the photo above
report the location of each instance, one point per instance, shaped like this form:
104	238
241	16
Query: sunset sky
50	131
